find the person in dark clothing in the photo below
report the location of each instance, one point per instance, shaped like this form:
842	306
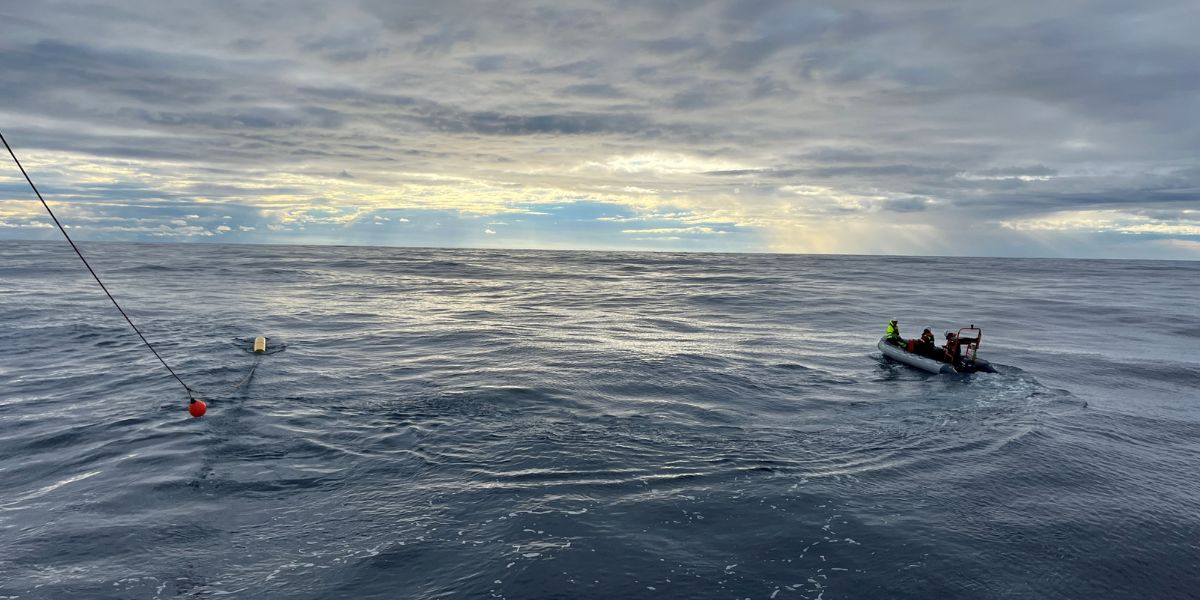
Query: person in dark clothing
951	350
926	346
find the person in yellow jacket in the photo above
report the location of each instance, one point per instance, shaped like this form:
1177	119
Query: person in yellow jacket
893	334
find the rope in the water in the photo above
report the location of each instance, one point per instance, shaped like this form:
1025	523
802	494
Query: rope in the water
190	391
242	381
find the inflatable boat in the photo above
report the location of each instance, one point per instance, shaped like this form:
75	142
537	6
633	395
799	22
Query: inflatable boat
968	344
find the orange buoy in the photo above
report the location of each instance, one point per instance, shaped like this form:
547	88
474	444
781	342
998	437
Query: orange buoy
197	408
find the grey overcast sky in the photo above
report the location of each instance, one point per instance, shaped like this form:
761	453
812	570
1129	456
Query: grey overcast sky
1064	128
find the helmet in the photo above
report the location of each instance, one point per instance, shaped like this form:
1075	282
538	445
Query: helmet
949	335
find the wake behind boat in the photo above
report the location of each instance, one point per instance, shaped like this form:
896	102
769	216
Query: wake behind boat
959	355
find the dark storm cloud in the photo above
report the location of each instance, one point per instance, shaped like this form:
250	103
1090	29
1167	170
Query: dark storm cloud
593	90
251	118
1136	200
583	69
672	45
445	118
347	47
1030	171
494	123
905	205
1013	110
34	70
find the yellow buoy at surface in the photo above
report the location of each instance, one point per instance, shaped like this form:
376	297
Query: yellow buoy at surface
260	344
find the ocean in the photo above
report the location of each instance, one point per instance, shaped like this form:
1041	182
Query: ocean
436	423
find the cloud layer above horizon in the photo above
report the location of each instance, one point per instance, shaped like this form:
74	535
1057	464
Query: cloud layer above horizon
908	127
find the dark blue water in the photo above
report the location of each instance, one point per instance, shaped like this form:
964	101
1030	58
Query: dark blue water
523	424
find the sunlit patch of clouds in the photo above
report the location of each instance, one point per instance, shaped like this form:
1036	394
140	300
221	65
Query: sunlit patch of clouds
979	177
25	225
66	168
162	231
1186	224
676	231
630	189
20	209
315	214
320	199
813	199
659	164
650	216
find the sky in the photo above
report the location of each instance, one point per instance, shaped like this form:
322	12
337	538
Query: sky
1063	128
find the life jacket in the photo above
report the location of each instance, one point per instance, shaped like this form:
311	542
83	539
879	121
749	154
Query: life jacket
952	351
893	332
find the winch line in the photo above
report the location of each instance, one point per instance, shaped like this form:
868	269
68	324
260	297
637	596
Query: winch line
190	391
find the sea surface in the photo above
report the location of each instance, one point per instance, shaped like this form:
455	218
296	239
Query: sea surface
537	424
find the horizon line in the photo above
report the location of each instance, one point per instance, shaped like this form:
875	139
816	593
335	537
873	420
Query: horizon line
587	250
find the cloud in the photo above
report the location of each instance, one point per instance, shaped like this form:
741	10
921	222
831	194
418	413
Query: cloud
676	231
593	90
816	126
25	225
1186	223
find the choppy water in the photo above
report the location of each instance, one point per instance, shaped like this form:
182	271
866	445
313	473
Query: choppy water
460	423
